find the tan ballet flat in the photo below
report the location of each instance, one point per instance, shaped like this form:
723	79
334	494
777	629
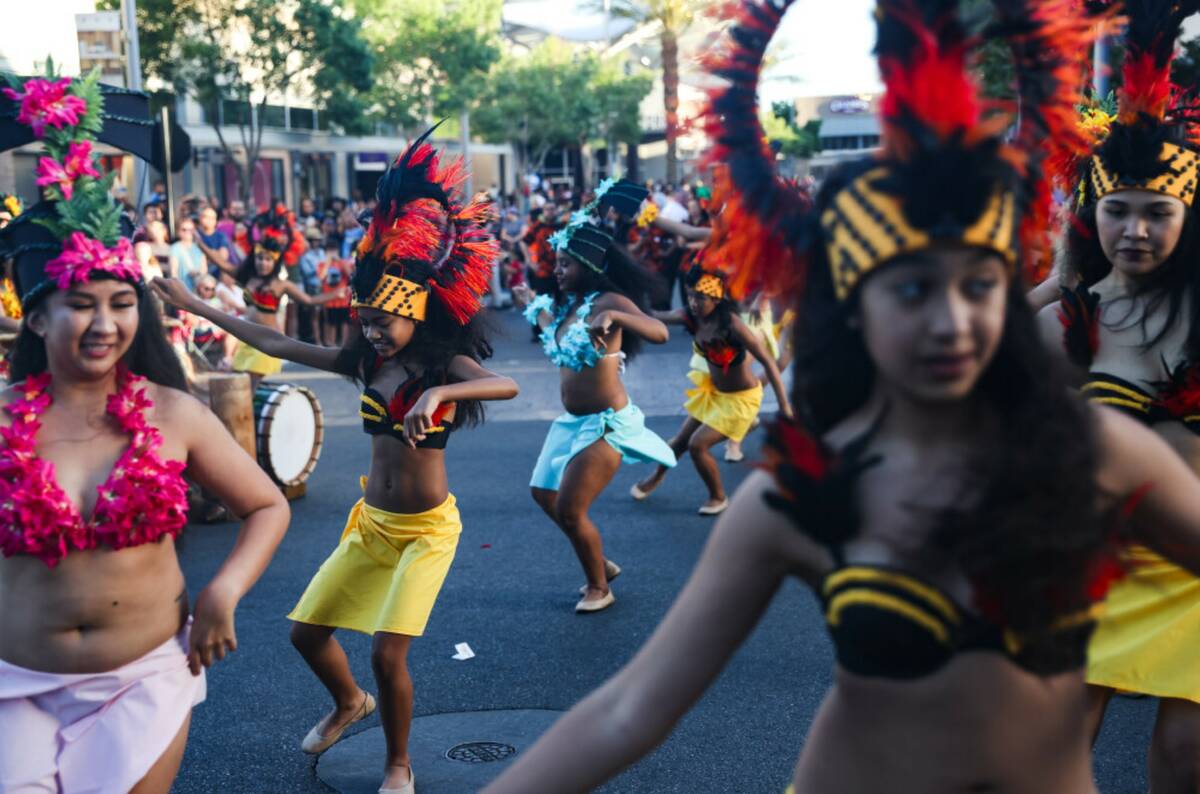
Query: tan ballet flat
314	743
408	788
611	571
597	605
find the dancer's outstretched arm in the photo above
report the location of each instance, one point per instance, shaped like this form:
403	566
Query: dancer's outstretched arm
1136	460
685	230
748	555
617	311
268	340
754	344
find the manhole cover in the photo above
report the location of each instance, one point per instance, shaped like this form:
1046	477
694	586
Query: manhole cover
480	752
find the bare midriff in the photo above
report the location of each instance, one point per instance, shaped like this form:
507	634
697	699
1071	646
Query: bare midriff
980	724
405	480
95	611
595	389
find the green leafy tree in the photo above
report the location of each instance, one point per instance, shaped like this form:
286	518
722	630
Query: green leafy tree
559	96
674	18
235	55
432	56
793	140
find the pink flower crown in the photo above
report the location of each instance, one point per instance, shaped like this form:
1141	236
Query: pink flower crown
82	258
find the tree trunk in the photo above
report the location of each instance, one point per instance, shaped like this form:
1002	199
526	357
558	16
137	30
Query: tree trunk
670	67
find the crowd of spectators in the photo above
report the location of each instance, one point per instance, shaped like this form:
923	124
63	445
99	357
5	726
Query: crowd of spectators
211	242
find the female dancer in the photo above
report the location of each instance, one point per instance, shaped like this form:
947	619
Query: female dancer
1132	329
589	334
421	269
955	560
264	287
100	664
727	396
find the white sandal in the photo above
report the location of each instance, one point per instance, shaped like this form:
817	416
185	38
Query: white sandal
714	510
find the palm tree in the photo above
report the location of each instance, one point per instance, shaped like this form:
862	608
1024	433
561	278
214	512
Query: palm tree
674	17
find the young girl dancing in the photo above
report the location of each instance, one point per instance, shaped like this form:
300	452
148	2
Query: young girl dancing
1131	329
952	502
589	333
727	397
422	267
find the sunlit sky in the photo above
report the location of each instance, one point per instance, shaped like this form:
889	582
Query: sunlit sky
822	48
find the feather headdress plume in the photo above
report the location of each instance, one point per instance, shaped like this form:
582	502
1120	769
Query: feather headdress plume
422	240
946	172
1151	145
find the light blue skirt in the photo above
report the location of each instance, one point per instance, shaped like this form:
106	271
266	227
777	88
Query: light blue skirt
625	430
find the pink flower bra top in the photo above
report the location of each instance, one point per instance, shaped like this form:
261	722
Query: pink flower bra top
143	499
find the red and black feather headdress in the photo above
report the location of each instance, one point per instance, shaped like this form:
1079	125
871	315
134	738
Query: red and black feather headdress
947	170
1152	145
424	233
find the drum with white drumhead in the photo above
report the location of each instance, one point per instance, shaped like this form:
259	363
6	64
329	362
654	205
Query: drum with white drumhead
289	431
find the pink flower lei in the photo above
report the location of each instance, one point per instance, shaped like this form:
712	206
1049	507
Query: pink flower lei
143	499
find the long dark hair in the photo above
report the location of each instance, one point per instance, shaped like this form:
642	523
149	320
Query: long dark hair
625	276
1175	283
725	309
436	341
149	356
1029	535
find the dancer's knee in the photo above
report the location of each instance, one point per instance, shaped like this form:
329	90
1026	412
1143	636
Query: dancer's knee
389	660
307	638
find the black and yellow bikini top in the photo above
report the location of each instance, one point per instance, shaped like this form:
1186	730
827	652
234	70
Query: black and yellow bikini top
263	300
886	622
1175	399
386	417
725	351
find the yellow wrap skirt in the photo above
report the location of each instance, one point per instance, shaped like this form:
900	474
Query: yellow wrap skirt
1147	639
730	413
386	572
251	359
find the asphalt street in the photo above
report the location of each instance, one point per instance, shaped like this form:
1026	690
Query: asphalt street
510	596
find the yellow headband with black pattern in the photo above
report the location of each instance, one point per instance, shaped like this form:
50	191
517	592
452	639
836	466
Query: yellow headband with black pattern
1179	180
710	285
397	296
866	227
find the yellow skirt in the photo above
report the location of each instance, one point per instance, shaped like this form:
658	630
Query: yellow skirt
730	413
1147	639
251	359
386	573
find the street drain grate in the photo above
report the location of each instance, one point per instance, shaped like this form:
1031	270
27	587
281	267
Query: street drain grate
480	752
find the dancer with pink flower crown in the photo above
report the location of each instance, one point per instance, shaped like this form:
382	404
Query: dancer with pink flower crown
101	659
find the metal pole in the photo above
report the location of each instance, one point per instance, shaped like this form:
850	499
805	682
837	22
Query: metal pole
1100	81
133	70
165	115
464	123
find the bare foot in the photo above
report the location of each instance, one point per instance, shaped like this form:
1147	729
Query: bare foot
396	776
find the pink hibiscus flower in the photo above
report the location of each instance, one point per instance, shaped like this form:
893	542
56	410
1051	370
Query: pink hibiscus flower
82	256
46	102
77	163
51	172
